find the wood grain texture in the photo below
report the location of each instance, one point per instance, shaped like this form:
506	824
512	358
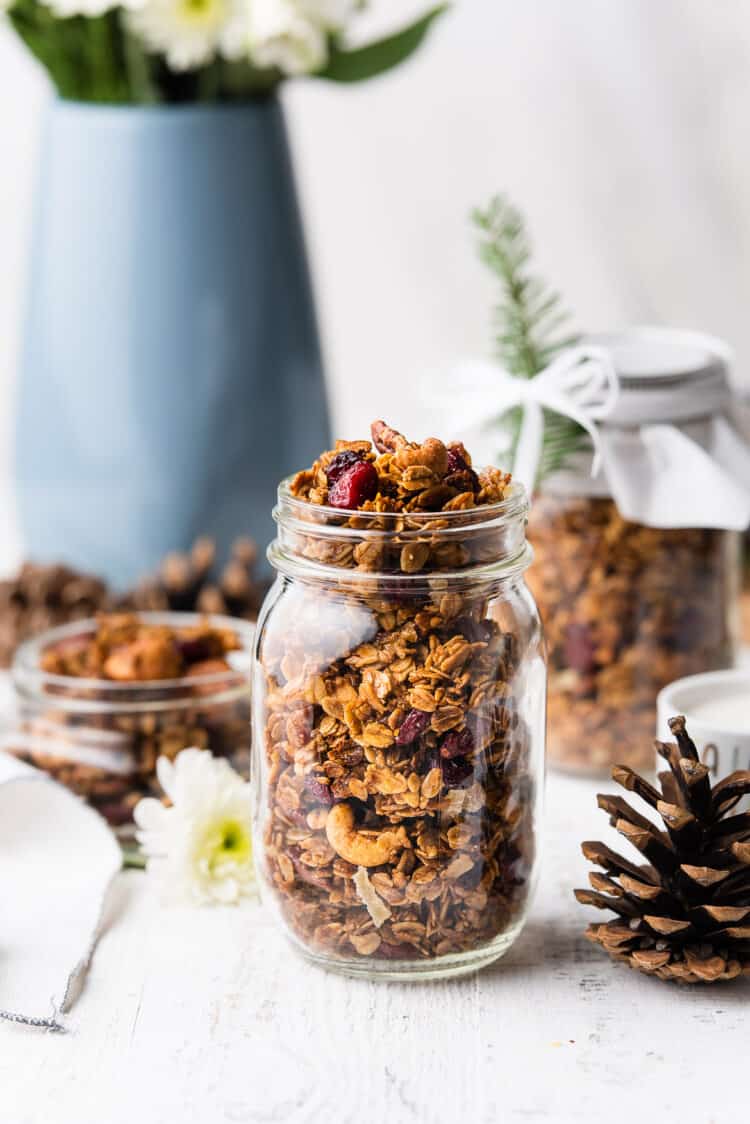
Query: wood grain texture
204	1016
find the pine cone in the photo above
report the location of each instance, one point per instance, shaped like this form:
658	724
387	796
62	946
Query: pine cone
685	914
39	597
185	583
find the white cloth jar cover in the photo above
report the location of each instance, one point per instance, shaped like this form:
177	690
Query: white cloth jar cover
58	858
657	404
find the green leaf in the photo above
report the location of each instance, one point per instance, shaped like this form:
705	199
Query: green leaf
376	58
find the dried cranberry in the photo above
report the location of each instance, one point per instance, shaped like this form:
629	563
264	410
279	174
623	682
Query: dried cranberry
397	590
456	771
340	463
457	744
316	788
580	647
456	459
195	649
354	486
466	480
415	723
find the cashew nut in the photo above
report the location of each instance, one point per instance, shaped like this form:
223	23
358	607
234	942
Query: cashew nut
431	454
361	848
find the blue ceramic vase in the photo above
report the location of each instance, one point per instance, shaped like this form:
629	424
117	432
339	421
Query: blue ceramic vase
170	370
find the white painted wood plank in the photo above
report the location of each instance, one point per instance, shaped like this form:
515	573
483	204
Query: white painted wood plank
203	1016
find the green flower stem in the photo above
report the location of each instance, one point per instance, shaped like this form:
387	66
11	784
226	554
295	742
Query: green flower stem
209	82
106	83
133	859
141	88
240	81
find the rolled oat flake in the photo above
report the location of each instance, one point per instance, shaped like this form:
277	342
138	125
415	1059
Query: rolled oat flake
674	449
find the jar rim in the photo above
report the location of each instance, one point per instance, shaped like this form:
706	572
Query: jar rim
515	506
502	570
29	678
328	525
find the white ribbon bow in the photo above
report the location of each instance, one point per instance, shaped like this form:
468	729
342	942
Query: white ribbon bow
581	384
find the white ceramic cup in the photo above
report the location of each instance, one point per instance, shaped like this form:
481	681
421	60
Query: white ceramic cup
716	706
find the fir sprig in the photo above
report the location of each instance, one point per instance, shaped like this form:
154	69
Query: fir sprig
531	323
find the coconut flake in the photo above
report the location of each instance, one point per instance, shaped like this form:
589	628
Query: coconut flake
454	802
376	907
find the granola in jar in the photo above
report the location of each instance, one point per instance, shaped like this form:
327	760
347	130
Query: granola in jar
627	609
100	700
399	711
636	566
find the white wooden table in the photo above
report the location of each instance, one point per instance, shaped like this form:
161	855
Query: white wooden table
196	1016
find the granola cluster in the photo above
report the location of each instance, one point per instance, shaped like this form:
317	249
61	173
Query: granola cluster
399	819
124	648
627	609
95	714
400	476
399	507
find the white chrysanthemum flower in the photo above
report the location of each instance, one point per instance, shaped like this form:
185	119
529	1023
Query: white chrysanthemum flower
201	847
189	33
333	15
283	36
64	9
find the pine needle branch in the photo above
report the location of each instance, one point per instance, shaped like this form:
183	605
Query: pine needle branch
530	321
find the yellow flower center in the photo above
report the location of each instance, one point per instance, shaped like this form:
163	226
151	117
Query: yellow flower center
227	841
201	11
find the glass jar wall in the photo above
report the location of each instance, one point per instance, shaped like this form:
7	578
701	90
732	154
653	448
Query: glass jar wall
399	713
627	609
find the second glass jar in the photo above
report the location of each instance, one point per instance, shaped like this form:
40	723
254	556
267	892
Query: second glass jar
399	718
631	604
627	609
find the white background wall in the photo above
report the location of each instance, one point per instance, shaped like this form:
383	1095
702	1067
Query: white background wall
621	128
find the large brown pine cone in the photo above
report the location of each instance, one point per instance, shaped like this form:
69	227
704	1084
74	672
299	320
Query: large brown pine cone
684	914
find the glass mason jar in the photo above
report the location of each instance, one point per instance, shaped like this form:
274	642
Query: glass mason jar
101	737
399	718
628	608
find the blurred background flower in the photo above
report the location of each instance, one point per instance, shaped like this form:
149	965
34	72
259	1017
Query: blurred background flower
190	33
66	9
199	846
288	35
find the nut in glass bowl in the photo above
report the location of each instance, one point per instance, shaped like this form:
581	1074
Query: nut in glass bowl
95	709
